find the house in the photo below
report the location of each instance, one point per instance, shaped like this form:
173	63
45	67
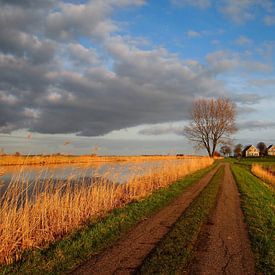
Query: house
250	151
271	150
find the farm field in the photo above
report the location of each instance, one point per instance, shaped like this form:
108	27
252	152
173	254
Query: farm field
182	239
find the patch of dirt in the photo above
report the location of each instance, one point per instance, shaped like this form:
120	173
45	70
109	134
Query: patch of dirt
129	252
223	246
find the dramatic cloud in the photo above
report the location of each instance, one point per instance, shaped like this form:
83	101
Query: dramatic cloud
66	68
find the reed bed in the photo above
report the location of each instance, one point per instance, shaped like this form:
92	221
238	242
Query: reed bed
45	160
32	215
264	173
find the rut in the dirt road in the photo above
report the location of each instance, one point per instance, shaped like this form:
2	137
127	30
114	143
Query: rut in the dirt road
223	246
129	252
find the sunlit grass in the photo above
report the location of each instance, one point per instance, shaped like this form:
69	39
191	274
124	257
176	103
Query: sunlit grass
263	173
33	214
62	159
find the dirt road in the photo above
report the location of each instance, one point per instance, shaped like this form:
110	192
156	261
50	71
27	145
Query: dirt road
223	246
128	253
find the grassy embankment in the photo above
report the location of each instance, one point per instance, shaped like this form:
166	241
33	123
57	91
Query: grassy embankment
41	223
174	251
258	204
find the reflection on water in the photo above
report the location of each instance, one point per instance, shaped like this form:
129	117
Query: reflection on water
117	172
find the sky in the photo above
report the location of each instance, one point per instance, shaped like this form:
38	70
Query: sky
119	76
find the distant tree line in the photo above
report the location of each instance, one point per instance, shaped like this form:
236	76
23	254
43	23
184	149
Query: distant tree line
226	150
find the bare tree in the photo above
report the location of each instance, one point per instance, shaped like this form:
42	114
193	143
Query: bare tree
212	123
262	148
238	150
226	150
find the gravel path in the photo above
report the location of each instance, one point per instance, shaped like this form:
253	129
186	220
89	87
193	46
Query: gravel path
223	246
129	252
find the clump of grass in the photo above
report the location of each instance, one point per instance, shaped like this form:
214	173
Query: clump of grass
35	214
258	204
263	173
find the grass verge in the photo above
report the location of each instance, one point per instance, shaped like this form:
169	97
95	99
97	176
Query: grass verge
172	253
258	204
65	254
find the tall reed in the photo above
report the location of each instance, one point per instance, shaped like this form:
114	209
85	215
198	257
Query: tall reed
63	159
264	174
33	214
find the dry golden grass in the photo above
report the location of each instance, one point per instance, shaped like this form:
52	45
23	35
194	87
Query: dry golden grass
33	215
63	159
264	174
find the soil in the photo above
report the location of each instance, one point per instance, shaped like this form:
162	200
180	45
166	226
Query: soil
129	252
223	246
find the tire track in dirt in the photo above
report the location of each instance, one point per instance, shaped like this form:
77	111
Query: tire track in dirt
223	246
129	252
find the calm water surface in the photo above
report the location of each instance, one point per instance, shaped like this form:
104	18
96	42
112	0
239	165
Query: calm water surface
114	171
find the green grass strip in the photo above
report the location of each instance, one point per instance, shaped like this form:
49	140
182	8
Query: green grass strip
258	204
65	254
172	253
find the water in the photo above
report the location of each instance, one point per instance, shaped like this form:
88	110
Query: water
117	172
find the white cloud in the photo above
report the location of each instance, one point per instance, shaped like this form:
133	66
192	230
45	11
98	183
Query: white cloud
243	40
244	10
192	34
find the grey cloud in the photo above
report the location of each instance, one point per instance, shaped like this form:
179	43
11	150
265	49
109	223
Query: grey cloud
223	61
244	110
162	130
262	82
247	98
42	87
255	125
81	56
91	19
28	3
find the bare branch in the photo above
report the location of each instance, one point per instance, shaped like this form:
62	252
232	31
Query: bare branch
213	122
